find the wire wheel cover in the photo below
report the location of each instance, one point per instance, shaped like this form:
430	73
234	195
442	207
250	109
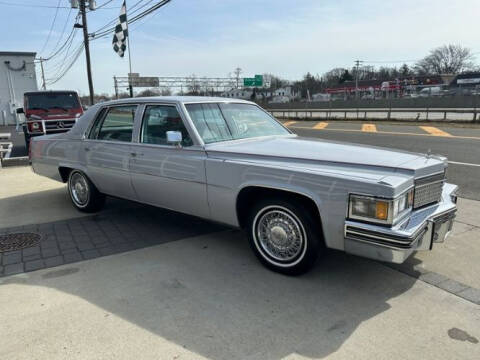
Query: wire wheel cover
79	189
280	234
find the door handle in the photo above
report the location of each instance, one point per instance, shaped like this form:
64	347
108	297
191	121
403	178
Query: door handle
87	149
135	154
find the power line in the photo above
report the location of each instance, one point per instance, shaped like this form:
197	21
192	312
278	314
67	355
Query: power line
60	63
51	27
66	43
59	77
33	5
98	35
131	10
63	30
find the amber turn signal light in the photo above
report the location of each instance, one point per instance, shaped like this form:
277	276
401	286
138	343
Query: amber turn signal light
381	210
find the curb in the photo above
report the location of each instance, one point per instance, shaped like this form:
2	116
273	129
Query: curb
15	161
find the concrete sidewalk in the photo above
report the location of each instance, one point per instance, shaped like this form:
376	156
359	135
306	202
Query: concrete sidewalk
27	198
458	257
207	297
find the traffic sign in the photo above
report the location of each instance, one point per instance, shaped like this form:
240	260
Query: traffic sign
255	81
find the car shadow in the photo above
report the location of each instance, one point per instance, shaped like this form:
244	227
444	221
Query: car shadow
47	206
210	295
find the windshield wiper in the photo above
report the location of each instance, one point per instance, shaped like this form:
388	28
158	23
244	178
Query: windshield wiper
59	107
38	108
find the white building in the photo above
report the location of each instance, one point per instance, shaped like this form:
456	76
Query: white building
17	75
284	95
246	94
286	91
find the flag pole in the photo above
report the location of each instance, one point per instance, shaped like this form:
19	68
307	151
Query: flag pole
129	55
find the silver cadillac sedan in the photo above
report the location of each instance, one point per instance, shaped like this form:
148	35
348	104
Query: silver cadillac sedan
230	161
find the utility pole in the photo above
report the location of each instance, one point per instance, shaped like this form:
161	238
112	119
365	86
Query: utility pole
87	48
115	82
357	65
237	73
44	85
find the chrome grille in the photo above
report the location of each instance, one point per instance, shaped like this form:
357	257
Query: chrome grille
428	190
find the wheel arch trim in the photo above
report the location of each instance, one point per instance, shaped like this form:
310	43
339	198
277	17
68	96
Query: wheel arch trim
294	191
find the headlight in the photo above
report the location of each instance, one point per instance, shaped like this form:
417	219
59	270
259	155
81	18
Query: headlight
384	211
34	126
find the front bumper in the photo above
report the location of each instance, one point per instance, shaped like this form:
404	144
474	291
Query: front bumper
418	232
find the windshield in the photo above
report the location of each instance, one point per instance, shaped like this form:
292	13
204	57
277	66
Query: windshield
221	122
62	101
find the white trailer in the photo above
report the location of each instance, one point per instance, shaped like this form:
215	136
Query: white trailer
17	76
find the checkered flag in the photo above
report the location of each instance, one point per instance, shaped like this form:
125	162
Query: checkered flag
121	32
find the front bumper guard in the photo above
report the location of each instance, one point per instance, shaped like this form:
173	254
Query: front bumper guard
418	232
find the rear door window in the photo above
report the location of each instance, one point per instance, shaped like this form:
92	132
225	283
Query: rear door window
115	124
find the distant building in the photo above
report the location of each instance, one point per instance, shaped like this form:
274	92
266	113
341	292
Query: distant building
286	91
245	94
284	95
17	75
468	80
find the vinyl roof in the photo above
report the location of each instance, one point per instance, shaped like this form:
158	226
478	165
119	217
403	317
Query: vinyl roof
178	99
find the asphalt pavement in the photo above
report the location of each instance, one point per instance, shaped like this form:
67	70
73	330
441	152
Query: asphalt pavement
194	290
461	144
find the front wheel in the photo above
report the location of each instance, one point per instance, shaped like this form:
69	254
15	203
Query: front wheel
284	235
83	193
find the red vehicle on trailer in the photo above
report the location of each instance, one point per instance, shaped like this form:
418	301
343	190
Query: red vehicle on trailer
49	112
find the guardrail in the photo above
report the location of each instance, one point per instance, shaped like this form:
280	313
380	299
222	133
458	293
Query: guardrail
403	114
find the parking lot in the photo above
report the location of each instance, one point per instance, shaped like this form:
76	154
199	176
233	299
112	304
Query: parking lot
136	279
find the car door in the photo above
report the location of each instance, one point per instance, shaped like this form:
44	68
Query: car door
167	175
108	150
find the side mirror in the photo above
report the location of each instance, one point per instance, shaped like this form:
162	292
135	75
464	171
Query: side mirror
19	111
174	137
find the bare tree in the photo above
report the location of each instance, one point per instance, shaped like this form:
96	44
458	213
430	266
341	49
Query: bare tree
148	92
193	86
447	59
333	76
166	91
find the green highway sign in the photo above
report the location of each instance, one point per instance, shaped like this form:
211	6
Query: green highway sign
255	81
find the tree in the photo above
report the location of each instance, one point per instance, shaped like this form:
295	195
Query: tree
148	93
346	76
405	71
332	77
447	59
275	81
310	83
166	92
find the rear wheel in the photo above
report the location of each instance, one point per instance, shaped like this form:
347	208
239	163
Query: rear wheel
83	193
284	235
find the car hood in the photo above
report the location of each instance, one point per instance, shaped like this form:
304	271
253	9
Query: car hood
299	149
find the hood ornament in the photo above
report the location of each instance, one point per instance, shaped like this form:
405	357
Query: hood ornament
429	153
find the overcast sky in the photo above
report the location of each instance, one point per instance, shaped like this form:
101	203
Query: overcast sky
212	37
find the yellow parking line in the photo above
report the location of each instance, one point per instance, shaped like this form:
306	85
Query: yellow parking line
434	131
369	128
288	123
320	125
391	133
